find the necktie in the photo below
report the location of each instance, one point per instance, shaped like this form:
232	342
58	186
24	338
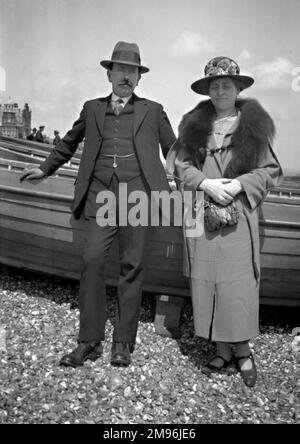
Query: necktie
117	106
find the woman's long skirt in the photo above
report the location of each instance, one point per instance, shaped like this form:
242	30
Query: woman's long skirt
225	293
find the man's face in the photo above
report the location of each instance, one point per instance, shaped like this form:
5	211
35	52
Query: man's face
124	79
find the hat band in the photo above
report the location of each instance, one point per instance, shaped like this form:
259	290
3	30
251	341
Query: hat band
126	56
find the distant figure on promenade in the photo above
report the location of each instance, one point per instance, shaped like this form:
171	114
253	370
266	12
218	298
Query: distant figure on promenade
122	135
56	137
39	135
32	135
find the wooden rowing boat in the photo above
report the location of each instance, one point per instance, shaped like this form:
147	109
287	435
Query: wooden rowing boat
16	151
30	159
44	147
38	232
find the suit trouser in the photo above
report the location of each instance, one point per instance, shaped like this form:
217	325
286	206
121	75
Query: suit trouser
92	295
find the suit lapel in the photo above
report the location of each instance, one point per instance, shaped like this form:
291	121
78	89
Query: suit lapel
100	112
140	111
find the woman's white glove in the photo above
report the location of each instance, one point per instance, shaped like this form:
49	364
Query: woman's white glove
216	189
234	187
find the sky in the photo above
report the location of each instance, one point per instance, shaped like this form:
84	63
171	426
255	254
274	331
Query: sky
50	52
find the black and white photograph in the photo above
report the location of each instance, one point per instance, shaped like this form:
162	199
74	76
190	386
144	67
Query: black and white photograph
149	214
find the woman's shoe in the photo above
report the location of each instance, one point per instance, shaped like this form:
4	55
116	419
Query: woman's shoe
249	376
225	363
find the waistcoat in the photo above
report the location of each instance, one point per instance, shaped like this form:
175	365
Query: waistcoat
117	139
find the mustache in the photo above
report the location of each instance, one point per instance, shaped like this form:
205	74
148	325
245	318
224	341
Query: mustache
126	82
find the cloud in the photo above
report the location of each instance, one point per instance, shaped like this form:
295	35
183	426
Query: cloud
244	56
276	74
191	43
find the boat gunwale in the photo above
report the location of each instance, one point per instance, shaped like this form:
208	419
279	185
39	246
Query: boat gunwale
69	199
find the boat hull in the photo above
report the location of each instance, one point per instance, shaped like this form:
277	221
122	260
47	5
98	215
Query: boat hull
16	151
38	232
22	144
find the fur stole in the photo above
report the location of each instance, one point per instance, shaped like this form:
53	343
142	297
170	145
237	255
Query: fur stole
249	141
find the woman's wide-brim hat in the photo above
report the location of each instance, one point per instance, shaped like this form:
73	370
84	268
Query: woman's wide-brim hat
127	54
217	68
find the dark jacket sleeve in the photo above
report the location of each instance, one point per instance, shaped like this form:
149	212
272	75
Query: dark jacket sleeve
166	133
66	147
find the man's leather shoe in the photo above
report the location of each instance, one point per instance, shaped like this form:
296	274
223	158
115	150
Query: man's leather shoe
120	354
81	353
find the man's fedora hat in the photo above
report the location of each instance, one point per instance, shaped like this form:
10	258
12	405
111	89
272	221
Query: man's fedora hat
217	68
127	54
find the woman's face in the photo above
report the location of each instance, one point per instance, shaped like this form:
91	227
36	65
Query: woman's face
223	93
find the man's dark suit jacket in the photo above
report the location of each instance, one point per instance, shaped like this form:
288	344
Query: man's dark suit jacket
151	128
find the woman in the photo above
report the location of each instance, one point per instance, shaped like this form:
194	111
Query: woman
224	149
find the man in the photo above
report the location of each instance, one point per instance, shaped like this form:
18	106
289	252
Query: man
32	135
39	137
56	137
122	136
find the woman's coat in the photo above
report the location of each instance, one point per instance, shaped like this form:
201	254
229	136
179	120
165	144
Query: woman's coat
224	266
250	159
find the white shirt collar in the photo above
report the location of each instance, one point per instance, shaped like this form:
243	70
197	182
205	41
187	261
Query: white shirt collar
114	97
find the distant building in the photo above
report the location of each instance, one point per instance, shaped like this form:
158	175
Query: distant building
14	121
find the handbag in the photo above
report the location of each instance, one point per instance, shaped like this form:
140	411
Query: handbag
217	216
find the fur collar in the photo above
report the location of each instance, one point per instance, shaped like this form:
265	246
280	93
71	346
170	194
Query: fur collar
249	141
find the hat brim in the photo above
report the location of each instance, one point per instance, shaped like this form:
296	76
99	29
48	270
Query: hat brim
107	65
202	86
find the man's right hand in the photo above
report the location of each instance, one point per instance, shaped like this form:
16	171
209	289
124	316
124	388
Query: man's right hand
31	173
216	189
